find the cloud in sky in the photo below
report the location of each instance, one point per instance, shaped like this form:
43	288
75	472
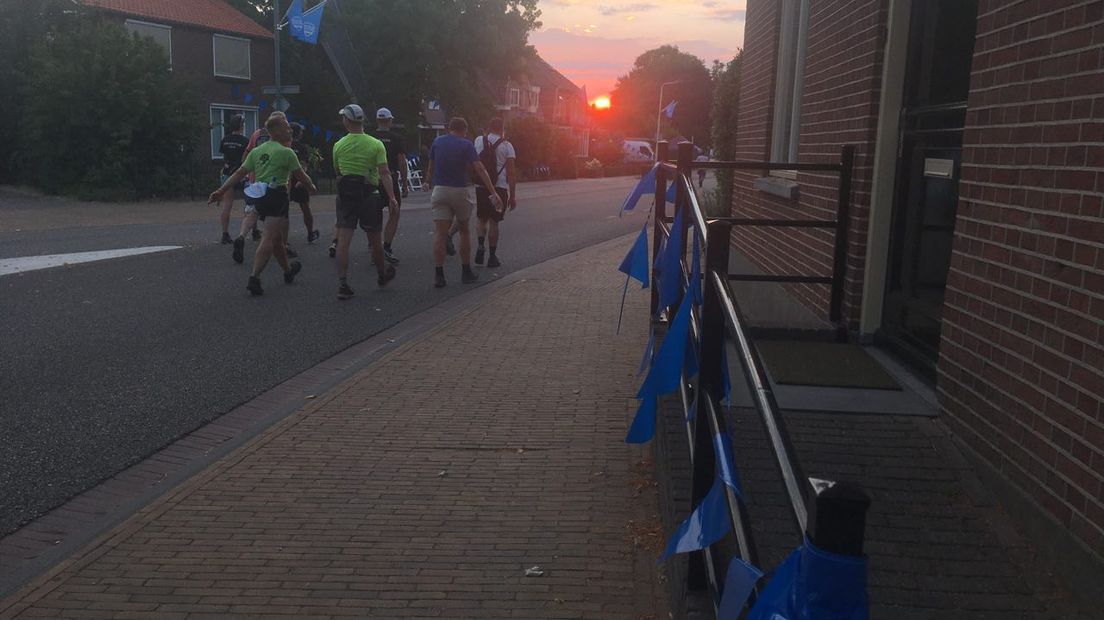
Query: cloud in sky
594	43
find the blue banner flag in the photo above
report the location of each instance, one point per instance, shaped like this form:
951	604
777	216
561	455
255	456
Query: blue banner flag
695	270
644	424
740	580
669	111
305	26
636	261
706	525
670	265
813	583
294	18
666	371
329	135
647	359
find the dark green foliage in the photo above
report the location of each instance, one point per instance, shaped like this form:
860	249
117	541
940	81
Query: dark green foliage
636	96
726	106
103	117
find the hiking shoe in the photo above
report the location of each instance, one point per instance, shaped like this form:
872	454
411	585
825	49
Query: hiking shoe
239	250
256	234
294	268
254	286
385	277
226	240
333	248
450	249
344	292
479	255
313	236
439	281
492	262
291	253
387	254
468	277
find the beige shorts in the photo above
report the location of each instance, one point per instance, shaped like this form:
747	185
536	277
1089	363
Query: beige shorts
450	202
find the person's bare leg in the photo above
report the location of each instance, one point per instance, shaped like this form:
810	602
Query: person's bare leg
392	226
465	242
227	204
272	245
492	232
308	219
440	233
344	240
247	224
377	250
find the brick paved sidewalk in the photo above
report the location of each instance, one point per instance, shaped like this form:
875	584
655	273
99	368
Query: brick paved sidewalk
424	486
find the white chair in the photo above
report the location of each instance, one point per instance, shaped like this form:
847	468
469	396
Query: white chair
415	175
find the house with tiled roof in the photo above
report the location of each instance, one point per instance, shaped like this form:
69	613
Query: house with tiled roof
223	53
542	91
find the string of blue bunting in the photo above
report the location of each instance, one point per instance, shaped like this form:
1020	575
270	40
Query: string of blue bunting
262	105
810	583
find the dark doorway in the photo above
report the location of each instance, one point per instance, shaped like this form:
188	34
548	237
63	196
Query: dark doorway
937	83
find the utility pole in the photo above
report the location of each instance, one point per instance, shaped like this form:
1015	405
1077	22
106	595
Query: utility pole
276	34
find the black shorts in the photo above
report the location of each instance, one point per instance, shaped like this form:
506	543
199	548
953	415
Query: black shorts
273	204
356	206
483	207
395	186
300	193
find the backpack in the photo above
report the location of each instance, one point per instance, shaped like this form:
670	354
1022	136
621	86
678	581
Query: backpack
489	157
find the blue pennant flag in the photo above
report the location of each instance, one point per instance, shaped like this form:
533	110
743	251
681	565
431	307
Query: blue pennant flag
305	26
710	521
647	359
670	265
666	372
248	98
329	135
706	525
646	185
262	105
316	130
813	583
235	91
669	111
740	580
695	271
636	261
644	424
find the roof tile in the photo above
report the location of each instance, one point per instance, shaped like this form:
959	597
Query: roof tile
207	14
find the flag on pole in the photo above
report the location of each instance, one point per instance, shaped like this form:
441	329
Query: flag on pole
305	26
669	111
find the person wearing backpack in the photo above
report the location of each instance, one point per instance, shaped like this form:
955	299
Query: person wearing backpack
498	157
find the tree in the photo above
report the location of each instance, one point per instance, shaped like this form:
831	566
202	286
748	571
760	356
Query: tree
636	95
114	125
726	108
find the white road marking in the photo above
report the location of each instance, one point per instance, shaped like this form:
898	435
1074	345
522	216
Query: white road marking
20	264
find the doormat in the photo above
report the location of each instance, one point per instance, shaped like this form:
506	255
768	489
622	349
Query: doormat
825	364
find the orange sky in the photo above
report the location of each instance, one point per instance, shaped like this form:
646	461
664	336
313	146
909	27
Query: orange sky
592	42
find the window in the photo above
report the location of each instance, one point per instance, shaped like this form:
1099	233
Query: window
220	119
161	35
534	99
514	100
231	57
793	32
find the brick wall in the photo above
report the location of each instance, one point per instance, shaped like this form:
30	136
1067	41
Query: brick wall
1022	353
839	106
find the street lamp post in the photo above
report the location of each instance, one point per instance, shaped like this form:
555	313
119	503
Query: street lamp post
659	115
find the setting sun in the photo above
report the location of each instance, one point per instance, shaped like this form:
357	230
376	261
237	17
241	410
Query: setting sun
602	103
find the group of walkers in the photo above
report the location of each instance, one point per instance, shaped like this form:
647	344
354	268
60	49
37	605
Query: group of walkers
269	168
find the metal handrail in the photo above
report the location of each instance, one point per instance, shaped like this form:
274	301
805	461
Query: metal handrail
720	319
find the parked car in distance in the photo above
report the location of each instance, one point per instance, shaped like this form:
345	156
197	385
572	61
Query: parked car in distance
637	151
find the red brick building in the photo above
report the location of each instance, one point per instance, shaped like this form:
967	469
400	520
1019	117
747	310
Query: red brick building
976	246
227	56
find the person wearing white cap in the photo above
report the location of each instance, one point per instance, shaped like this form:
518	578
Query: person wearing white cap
396	161
361	164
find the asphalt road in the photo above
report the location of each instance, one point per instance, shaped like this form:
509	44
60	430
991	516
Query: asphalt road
103	363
